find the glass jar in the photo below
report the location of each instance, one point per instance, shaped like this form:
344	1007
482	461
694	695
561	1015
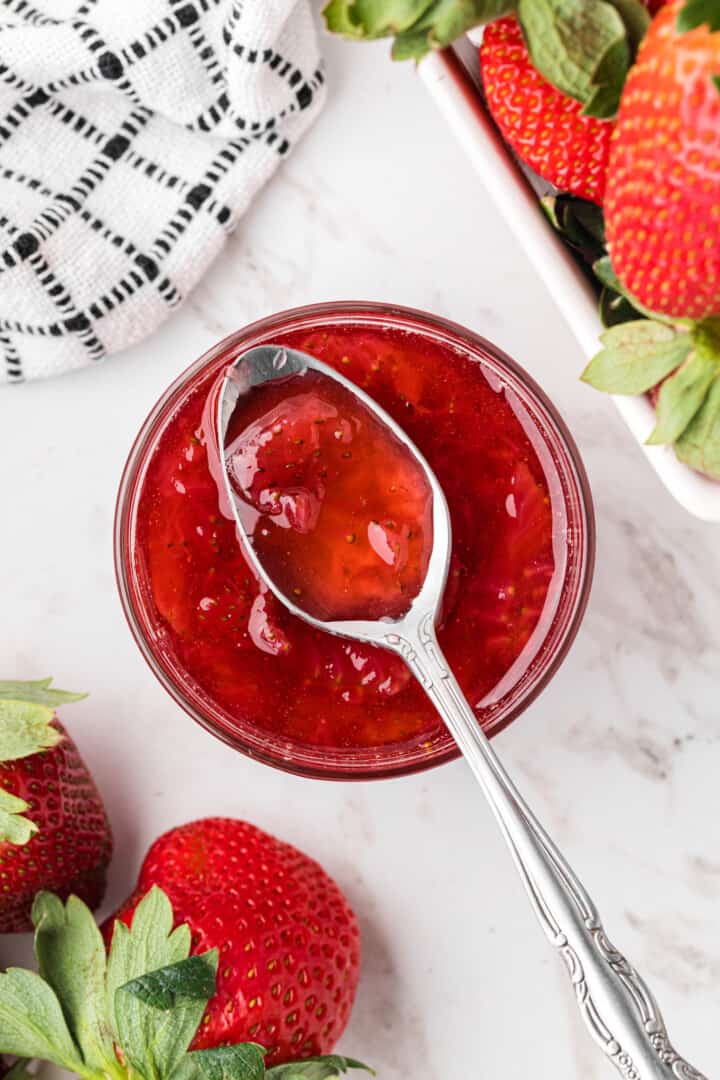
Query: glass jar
573	536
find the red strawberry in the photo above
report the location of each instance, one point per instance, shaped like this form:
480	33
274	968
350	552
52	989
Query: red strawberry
65	844
288	940
662	206
544	127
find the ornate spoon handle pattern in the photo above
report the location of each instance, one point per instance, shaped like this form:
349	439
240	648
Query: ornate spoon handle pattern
616	1004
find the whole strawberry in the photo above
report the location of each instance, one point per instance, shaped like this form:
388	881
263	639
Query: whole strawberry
287	938
545	128
130	1014
662	204
54	833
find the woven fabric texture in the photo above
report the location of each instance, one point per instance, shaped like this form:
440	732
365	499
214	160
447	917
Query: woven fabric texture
133	135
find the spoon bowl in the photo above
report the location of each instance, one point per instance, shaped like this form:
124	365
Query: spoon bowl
270	363
616	1004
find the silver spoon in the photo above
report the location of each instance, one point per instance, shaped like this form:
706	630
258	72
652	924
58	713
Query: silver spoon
617	1006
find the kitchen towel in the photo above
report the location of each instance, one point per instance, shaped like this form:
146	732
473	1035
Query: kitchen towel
133	135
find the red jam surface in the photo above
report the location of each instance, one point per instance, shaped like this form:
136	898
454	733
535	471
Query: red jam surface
338	510
261	665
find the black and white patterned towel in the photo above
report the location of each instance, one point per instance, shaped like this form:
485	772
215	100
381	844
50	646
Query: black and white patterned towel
133	134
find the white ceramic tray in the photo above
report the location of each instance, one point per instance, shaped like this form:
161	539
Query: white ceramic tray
454	87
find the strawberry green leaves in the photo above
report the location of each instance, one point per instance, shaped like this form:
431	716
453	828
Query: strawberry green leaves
681	396
173	993
374	18
696	13
158	1013
148	998
147	1001
689	403
637	356
582	226
157	993
242	1062
685	362
418	26
636	18
77	1008
38	692
189	980
26	712
579	222
14	827
444	21
150	943
316	1068
699	444
32	1024
583	47
71	959
25	728
245	1062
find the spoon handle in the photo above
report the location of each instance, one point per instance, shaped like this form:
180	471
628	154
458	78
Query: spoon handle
616	1004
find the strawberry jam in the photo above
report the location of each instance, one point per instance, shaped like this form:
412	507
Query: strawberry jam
338	509
265	680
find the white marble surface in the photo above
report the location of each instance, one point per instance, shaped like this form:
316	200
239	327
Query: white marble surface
620	755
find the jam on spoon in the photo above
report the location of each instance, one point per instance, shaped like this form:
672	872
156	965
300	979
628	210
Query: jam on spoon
338	512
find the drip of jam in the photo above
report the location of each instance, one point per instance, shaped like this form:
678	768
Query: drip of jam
338	509
261	665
